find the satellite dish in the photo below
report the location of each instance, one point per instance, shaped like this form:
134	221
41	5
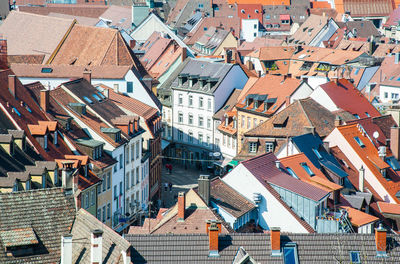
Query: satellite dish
376	134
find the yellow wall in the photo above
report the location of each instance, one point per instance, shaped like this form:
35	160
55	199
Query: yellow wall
242	130
105	197
229	42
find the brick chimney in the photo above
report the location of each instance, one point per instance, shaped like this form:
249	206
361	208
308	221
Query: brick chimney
361	179
12	85
132	44
204	188
380	241
213	232
44	100
181	207
184	54
338	121
66	249
88	76
96	247
395	141
275	241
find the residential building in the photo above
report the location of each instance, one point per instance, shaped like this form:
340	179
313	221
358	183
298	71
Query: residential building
199	91
269	95
341	94
359	148
213	42
390	26
271	187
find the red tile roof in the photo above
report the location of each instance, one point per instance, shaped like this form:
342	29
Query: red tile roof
358	218
345	96
261	2
250	11
389	208
369	8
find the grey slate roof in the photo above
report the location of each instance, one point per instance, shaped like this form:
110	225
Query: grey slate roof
47	211
203	69
312	248
112	242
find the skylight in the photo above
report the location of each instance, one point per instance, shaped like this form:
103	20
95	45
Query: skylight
307	169
87	100
292	172
47	70
290	254
356	71
359	142
316	152
355	257
101	95
95	96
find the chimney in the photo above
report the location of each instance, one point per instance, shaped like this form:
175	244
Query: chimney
44	100
275	242
395	141
184	54
361	179
396	58
66	249
326	146
213	232
380	241
278	164
228	56
136	123
132	44
309	129
204	188
181	207
66	174
335	80
259	74
338	121
382	152
96	247
106	93
88	76
287	101
12	85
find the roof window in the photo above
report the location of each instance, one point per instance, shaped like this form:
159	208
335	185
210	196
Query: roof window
95	96
316	152
355	257
47	70
87	100
290	254
359	142
356	116
291	172
307	169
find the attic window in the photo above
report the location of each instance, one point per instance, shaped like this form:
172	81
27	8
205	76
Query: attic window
359	142
307	169
355	257
87	100
316	152
47	70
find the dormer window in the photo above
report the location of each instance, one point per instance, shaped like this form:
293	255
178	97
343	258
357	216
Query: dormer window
359	142
252	147
45	142
114	133
91	147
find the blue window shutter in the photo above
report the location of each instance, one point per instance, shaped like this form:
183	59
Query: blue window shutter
129	87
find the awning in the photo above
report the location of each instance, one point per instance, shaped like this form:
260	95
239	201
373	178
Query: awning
284	17
233	163
164	144
222	163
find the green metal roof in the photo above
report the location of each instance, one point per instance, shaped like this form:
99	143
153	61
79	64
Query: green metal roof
92	143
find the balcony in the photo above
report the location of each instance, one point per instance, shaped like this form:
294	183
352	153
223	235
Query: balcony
334	222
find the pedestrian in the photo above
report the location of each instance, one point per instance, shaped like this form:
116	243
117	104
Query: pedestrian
166	186
170	168
170	187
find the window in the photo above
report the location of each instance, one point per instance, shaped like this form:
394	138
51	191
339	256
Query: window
108	181
255	26
190	120
108	211
224	140
359	142
180	99
190	100
253	147
201	121
248	122
200	138
208	123
367	114
127	155
180	135
355	257
132	178
209	104
137	175
356	116
267	17
307	169
269	147
200	102
254	122
201	5
386	95
86	200
89	101
316	152
208	140
121	161
132	152
243	121
104	184
99	214
115	192
129	87
190	137
290	254
127	181
45	141
255	34
104	214
116	168
93	198
292	172
120	188
180	118
137	150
